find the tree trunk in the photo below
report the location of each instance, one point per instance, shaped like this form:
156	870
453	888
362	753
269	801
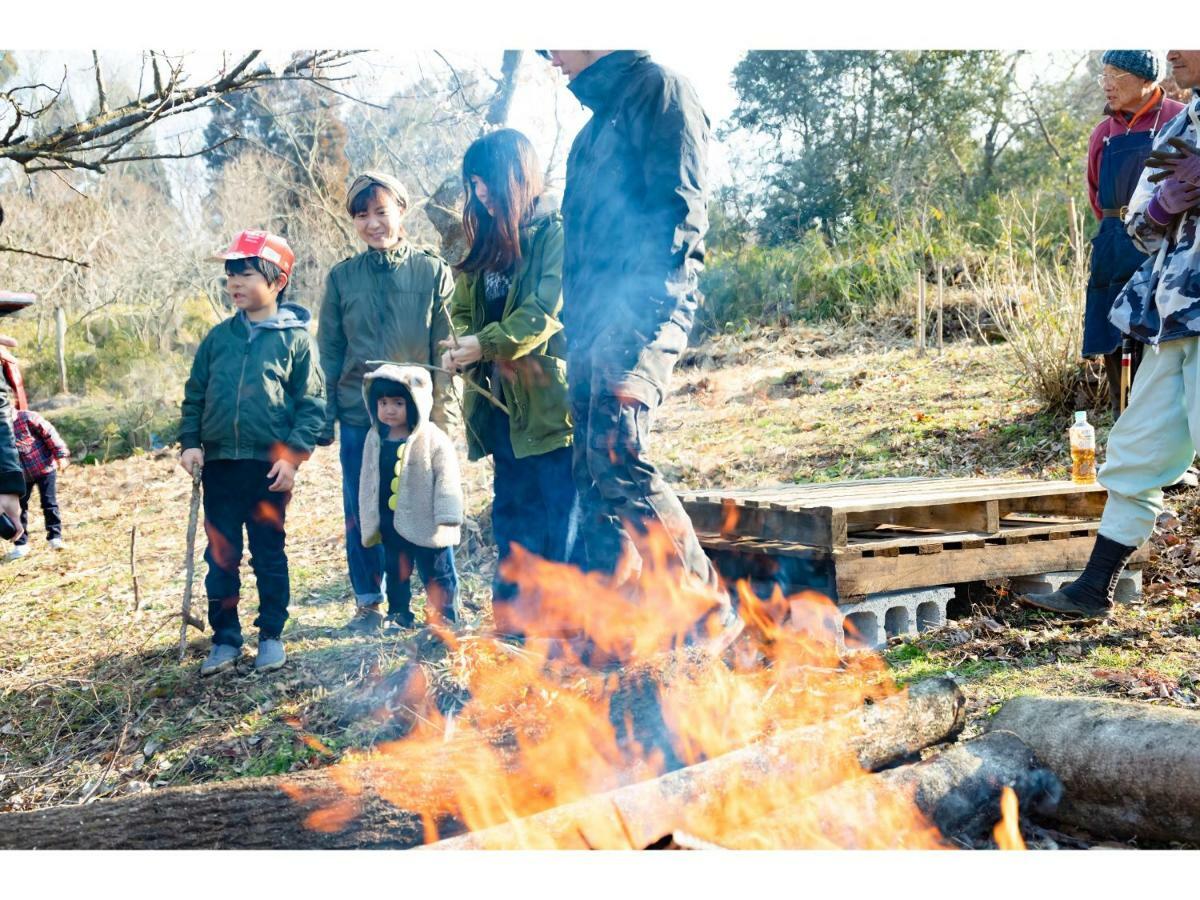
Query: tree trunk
261	812
60	334
1129	770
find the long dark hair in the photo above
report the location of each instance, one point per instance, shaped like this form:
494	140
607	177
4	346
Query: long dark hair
506	162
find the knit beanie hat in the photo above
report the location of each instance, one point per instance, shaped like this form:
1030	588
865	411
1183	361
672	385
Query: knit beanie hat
1142	63
385	181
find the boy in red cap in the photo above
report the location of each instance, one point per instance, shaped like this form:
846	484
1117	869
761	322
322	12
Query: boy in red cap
252	410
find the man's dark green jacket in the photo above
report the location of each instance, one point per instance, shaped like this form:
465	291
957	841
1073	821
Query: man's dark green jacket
255	389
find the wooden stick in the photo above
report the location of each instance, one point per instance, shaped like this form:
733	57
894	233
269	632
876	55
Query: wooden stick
921	311
190	562
468	381
137	594
941	304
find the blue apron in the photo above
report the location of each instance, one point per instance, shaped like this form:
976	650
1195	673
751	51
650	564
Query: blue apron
1114	257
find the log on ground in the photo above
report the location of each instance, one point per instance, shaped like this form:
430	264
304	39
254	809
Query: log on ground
638	814
313	810
1129	770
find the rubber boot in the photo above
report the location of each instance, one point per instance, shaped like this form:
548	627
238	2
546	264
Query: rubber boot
1090	596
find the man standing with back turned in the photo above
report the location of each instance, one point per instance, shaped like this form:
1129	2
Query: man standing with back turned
634	218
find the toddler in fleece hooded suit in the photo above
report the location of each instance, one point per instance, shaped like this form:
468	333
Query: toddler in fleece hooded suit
410	494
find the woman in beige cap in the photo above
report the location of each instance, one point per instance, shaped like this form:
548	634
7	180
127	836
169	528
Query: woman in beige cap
387	303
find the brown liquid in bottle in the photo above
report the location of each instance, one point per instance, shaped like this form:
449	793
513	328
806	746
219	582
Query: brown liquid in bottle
1083	465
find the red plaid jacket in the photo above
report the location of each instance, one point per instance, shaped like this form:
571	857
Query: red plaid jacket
38	444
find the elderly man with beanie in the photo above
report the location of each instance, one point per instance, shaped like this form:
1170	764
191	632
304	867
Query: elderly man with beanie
1136	110
1154	441
388	303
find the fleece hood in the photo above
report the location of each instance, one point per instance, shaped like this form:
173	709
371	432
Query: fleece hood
414	379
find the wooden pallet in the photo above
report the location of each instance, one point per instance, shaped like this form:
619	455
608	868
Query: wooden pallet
855	538
826	515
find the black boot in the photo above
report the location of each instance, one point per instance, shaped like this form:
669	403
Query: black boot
1091	594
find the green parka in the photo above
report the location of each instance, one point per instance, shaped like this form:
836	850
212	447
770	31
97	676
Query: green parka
254	390
383	305
527	345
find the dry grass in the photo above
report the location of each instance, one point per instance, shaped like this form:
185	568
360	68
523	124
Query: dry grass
92	702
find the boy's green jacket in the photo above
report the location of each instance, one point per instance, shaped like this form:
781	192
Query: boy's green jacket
255	390
527	346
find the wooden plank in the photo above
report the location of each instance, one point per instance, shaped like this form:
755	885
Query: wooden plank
1088	504
816	528
934	542
869	575
948	517
914	491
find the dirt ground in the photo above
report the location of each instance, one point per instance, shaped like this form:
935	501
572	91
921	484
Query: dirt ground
93	702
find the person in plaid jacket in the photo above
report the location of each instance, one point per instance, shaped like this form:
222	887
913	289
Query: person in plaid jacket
43	454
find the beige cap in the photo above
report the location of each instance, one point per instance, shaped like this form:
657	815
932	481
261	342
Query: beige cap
367	179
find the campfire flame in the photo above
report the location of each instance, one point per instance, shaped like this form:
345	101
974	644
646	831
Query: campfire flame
610	688
1008	830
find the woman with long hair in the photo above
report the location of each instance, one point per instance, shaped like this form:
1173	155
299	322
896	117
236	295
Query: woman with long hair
505	309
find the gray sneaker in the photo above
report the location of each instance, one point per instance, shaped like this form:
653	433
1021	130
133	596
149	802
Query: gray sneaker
270	656
220	658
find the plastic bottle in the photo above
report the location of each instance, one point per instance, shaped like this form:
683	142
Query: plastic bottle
1083	450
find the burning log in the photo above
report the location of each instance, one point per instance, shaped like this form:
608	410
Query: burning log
1129	770
637	815
323	809
958	791
957	795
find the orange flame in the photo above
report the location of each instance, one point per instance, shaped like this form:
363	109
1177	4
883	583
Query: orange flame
609	688
1008	830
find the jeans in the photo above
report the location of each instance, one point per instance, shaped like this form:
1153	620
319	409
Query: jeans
621	492
47	487
436	565
236	496
365	563
534	505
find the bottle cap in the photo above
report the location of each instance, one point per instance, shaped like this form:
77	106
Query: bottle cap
1081	417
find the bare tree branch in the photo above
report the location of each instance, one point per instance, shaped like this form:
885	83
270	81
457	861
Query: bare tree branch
101	94
4	248
75	145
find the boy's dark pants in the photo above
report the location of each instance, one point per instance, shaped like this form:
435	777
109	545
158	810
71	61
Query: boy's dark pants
436	565
47	487
236	496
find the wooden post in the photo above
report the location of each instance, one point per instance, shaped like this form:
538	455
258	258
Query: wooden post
1074	225
60	333
941	306
921	311
137	594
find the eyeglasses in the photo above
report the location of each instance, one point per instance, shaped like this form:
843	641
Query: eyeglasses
1104	79
544	54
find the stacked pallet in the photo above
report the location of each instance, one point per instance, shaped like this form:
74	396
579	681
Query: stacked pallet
857	539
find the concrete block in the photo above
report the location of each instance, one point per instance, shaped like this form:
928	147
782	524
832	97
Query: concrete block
1129	585
868	622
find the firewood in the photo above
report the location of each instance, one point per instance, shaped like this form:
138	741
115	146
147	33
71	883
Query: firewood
312	810
1129	770
639	814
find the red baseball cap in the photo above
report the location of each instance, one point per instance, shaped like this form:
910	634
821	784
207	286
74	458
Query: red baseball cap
262	244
